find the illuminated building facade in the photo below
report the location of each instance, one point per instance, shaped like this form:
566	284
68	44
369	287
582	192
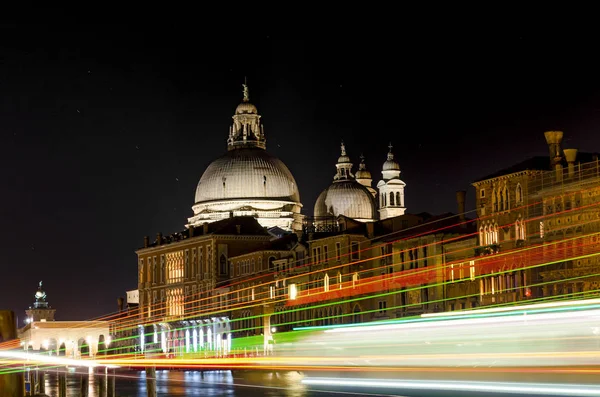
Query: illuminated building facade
179	276
539	200
261	275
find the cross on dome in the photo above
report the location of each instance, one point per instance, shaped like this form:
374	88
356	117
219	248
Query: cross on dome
390	155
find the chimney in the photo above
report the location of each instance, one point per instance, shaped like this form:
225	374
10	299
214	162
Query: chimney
553	139
158	238
205	228
571	155
120	302
460	200
146	241
191	231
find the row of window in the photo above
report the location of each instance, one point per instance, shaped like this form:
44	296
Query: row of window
175	266
501	197
320	254
392	199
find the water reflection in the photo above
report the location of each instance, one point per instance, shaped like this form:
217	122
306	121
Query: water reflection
189	383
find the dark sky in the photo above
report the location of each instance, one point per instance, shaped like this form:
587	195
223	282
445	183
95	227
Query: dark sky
106	129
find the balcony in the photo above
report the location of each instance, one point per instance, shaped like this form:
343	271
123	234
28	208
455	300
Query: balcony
487	250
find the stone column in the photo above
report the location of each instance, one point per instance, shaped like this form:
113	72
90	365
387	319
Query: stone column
151	381
11	385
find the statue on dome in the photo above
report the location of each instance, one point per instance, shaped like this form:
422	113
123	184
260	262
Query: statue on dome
246	93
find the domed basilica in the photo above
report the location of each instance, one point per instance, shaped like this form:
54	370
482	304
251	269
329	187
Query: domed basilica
248	181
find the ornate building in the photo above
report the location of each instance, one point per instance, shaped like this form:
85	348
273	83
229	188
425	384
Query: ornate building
247	180
353	197
41	309
536	203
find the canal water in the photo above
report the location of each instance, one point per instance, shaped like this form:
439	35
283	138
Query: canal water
193	383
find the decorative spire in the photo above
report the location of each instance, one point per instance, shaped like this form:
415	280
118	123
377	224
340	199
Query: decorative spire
390	155
40	297
246	91
344	166
362	166
247	130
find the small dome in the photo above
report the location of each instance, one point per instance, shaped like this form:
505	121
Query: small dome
348	198
40	294
391	165
246	108
363	174
343	159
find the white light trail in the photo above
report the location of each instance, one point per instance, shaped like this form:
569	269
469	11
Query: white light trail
582	302
37	358
587	314
546	389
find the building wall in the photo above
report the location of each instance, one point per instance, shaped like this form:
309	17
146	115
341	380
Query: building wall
177	279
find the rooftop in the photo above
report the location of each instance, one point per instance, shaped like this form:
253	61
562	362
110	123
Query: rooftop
239	225
537	163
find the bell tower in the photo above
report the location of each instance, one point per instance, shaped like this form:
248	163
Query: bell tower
391	189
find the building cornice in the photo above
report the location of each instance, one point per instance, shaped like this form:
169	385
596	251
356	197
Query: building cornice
507	176
197	239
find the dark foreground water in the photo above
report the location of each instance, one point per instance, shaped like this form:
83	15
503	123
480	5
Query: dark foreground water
265	383
192	383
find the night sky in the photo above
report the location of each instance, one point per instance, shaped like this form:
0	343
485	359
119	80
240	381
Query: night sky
106	130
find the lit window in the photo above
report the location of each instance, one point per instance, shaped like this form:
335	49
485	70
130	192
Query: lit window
293	292
472	270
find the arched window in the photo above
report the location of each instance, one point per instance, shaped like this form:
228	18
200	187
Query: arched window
398	203
356	317
520	230
223	264
519	194
487	235
505	198
494	201
481	236
499	200
494	234
391	198
271	259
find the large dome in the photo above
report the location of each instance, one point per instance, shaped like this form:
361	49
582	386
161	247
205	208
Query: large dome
247	181
247	173
348	198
